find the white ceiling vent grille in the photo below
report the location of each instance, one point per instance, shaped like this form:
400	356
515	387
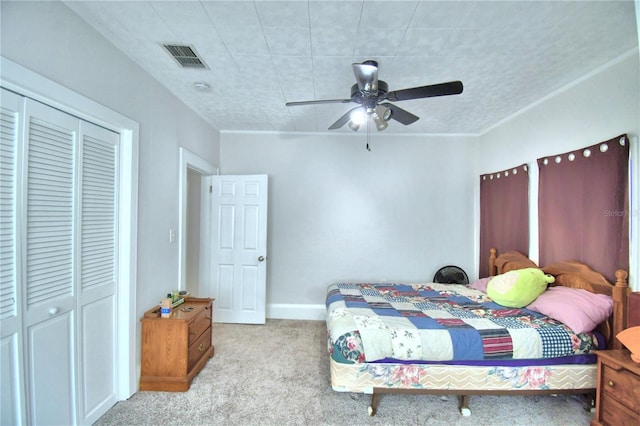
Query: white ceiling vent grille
186	56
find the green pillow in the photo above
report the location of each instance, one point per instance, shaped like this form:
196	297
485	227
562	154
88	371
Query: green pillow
518	288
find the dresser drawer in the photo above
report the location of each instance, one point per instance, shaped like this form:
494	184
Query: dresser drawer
622	386
199	347
199	324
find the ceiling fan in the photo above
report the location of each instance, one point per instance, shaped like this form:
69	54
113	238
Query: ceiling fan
373	96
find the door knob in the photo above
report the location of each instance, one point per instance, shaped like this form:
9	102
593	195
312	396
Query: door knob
53	311
261	259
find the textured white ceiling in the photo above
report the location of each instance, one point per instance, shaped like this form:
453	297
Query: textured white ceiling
261	54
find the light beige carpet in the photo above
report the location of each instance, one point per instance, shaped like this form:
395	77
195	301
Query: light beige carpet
278	374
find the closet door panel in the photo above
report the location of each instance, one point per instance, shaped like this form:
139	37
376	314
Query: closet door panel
97	380
48	259
97	269
12	409
50	190
9	131
50	352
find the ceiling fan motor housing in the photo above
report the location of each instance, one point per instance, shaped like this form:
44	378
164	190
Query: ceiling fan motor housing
369	102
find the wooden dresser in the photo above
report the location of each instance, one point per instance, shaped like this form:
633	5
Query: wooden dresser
175	349
618	392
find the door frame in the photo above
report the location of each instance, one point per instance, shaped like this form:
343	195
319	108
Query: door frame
25	82
192	161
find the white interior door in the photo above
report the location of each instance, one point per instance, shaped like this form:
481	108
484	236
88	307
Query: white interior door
239	248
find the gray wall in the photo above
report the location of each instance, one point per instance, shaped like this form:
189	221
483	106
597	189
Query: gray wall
595	108
338	212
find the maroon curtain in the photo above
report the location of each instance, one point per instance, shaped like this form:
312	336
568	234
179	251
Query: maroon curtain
504	213
583	206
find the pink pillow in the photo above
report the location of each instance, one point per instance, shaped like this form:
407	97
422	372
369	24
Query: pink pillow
481	284
579	309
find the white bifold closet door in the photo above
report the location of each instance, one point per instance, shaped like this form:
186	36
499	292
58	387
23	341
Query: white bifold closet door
12	410
97	243
66	240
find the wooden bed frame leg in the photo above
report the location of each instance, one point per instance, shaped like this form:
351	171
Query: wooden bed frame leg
373	405
591	407
464	405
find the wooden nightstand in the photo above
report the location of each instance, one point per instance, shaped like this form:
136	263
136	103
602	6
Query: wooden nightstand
175	349
618	392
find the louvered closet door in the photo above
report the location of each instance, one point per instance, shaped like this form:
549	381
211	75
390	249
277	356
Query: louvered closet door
48	258
97	270
70	254
12	410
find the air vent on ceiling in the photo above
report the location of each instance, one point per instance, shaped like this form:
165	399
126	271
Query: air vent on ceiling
186	56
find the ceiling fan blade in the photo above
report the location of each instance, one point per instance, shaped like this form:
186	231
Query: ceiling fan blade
401	115
322	101
367	76
343	120
442	89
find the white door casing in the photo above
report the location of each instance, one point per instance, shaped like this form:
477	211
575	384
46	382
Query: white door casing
191	161
239	248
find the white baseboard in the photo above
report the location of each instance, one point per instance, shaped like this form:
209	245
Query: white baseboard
296	311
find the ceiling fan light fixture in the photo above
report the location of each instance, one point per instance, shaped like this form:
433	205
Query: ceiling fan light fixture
380	122
386	115
353	126
358	117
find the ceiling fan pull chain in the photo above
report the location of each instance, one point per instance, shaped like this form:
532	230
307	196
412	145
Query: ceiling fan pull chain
368	149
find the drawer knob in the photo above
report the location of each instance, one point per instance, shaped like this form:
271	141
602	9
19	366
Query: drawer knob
200	347
611	383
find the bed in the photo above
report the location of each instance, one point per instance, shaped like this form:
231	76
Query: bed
453	339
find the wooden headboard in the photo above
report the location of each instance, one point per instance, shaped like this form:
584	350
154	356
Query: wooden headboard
508	261
575	274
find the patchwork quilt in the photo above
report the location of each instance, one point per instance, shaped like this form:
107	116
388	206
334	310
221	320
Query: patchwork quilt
439	322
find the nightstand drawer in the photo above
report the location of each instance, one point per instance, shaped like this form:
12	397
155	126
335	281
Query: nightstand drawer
622	386
615	414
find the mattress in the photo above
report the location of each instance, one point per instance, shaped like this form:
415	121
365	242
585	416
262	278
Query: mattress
447	324
366	377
